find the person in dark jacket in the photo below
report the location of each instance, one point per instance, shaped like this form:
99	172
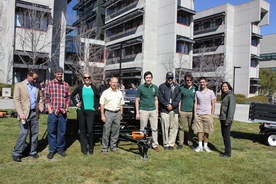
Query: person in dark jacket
227	110
169	98
87	104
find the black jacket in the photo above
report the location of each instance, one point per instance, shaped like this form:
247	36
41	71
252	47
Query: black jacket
228	106
78	92
166	93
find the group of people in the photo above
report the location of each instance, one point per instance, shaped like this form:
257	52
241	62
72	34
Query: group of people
178	106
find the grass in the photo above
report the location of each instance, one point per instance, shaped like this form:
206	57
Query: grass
251	162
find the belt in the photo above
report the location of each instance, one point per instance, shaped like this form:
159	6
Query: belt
32	110
112	111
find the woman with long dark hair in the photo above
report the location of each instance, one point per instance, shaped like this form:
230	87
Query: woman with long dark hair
227	110
87	104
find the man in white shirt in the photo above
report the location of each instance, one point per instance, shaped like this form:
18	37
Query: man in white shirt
111	102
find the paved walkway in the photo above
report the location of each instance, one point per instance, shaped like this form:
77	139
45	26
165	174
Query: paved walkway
6	104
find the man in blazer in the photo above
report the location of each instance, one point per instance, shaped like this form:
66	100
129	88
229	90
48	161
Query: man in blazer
27	101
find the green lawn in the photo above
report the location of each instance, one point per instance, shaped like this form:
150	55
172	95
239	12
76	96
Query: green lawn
251	162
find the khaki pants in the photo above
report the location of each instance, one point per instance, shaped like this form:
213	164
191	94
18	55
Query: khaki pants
169	123
185	117
152	117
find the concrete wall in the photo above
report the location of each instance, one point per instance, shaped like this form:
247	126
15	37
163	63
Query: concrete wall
7	41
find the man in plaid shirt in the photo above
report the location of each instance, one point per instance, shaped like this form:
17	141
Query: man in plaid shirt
57	95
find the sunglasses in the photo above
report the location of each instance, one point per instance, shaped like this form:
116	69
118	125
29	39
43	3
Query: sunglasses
188	80
34	78
86	77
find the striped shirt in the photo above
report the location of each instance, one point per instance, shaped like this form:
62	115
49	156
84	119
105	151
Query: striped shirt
57	94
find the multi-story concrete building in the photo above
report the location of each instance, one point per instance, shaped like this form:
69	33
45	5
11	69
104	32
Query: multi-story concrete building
227	44
268	52
142	35
32	34
89	37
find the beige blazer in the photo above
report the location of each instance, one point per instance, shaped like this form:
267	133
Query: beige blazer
22	101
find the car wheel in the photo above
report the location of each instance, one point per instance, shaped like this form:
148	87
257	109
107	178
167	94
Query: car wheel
271	140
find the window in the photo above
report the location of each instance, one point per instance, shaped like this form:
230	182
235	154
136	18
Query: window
30	19
196	27
206	25
254	63
184	19
255	42
19	19
182	47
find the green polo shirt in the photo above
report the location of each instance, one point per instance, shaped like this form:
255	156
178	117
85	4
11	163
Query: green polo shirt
147	96
187	98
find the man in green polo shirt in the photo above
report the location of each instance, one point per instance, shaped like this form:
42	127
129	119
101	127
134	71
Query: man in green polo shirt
186	106
147	107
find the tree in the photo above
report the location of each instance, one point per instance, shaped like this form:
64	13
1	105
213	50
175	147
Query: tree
268	85
210	66
38	45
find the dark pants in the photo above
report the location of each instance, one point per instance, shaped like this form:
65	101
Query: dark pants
86	126
31	125
56	131
225	131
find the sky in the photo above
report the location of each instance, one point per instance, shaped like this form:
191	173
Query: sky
202	5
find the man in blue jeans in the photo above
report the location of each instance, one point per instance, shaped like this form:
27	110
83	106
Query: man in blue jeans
57	94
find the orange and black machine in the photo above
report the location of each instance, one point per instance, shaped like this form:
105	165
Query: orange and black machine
142	139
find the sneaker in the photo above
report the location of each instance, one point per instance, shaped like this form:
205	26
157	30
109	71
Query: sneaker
104	152
16	158
36	156
171	148
166	148
156	149
91	151
207	149
224	155
114	150
179	147
198	149
62	153
50	155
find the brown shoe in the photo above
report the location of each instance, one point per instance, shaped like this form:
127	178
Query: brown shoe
156	149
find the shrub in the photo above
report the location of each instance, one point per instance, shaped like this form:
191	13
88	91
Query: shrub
240	98
259	98
218	98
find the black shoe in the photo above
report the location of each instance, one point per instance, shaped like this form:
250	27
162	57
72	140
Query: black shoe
50	155
62	153
36	156
179	147
16	159
224	155
171	148
166	148
91	151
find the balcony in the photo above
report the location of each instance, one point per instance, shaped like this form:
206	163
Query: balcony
111	14
82	3
128	58
216	49
124	33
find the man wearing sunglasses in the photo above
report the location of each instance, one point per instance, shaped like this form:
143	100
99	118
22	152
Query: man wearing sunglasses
186	108
169	98
28	101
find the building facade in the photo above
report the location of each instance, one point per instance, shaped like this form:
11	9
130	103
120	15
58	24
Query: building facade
228	44
142	35
32	35
89	37
268	52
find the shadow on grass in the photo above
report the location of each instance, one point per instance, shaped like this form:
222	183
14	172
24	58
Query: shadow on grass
249	136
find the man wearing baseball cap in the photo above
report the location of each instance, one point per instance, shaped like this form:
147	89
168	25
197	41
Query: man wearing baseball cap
169	98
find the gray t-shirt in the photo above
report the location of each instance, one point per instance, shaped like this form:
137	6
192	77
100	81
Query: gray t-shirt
204	101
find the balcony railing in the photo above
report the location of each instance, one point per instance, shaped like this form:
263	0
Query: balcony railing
121	11
124	59
123	34
206	49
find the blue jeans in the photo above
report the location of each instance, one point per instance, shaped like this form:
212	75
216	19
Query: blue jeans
56	131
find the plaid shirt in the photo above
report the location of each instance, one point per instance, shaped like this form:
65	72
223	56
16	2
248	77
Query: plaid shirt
57	95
